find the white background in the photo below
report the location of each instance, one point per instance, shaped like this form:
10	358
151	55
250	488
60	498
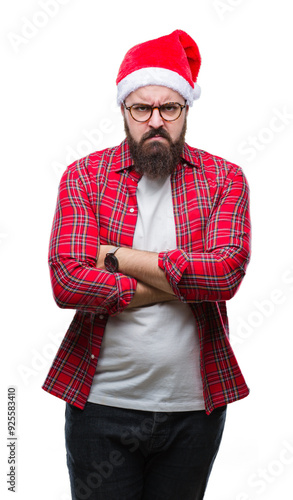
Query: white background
58	104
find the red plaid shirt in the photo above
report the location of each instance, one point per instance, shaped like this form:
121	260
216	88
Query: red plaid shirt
97	205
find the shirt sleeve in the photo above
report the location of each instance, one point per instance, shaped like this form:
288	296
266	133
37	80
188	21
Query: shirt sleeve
76	281
215	274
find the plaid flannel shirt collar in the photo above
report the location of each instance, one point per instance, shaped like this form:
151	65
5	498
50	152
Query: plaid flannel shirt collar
123	159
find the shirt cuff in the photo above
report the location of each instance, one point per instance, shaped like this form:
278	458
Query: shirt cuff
174	263
122	294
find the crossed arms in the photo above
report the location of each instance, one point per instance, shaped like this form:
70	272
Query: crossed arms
212	274
152	284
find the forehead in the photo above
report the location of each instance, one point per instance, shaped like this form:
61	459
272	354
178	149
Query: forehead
154	94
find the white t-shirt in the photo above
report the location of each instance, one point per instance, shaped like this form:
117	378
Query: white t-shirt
149	358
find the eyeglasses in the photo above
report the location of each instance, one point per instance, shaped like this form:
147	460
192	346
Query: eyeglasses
143	112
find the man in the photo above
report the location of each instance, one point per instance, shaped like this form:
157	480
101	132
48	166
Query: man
149	240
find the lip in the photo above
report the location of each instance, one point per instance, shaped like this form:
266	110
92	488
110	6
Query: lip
157	138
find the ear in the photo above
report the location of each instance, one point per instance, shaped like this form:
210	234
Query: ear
187	109
122	110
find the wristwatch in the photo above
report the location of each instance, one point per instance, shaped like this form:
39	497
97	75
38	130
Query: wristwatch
111	261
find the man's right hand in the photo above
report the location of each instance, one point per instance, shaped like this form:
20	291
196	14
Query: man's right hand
146	295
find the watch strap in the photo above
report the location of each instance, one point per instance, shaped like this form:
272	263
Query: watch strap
114	250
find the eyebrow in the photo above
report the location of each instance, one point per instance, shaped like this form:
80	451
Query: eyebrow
151	105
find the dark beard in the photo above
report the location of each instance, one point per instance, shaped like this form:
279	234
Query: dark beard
155	159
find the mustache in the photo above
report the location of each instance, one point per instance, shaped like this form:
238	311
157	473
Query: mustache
156	132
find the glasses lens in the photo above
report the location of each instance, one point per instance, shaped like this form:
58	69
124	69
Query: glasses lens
171	111
141	112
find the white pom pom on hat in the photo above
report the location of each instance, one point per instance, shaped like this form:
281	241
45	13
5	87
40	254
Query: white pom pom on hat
172	61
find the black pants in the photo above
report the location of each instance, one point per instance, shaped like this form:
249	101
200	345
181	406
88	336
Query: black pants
120	454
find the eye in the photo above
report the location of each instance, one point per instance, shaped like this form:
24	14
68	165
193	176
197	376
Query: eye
141	108
170	107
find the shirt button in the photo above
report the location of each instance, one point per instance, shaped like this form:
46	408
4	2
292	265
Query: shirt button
101	316
93	356
131	210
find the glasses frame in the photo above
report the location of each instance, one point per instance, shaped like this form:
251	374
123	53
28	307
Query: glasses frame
129	108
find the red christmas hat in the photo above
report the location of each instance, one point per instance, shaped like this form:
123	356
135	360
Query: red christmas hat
172	61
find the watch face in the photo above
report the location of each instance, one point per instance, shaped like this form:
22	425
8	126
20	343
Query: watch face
111	263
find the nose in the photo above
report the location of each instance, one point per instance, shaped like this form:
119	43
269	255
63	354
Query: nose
156	120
